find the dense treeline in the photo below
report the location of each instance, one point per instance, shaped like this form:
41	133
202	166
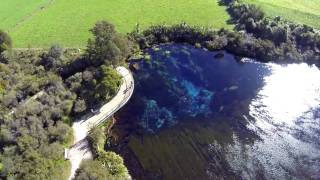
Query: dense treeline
300	40
34	116
256	37
42	92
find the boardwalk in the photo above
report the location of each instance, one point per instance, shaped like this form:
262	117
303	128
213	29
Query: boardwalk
80	150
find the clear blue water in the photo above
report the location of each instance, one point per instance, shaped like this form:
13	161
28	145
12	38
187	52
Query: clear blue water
226	118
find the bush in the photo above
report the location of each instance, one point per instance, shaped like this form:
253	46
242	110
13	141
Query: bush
5	47
5	42
79	106
56	51
109	84
92	170
53	60
96	139
108	166
114	164
108	47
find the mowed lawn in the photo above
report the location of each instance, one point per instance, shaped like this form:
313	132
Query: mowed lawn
67	22
301	11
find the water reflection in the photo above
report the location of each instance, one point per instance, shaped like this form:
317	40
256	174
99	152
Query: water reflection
285	113
195	116
288	93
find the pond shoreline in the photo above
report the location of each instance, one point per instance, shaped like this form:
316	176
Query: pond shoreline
196	114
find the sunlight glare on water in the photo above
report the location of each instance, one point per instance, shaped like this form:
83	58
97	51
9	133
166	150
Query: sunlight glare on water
285	117
289	92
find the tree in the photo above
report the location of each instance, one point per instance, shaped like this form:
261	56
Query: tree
97	138
109	165
79	106
109	84
54	58
5	42
114	164
108	46
5	47
56	51
92	170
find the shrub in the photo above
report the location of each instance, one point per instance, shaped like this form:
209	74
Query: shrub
108	47
109	83
96	139
79	106
56	51
92	170
5	42
114	164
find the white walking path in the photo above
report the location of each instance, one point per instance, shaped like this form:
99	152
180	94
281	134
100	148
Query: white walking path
80	150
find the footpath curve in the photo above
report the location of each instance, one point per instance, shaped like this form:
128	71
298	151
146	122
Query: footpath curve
80	150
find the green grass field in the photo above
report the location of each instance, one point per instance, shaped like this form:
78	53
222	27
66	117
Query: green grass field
40	23
13	12
301	11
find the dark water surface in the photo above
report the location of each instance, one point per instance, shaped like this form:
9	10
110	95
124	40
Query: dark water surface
197	115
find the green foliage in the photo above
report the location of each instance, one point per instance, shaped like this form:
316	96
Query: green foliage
92	169
37	106
5	41
269	41
53	60
33	135
97	139
5	46
56	51
43	163
2	88
290	42
79	106
109	83
114	164
108	47
108	166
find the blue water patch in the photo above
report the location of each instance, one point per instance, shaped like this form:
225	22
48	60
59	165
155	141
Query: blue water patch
197	100
155	117
180	82
191	89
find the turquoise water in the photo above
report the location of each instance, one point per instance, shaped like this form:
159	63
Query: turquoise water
196	116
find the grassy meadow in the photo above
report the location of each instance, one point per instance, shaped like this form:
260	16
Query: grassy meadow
301	11
42	23
13	12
